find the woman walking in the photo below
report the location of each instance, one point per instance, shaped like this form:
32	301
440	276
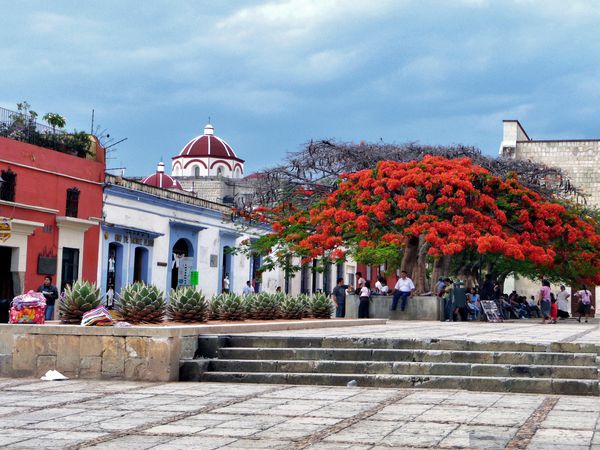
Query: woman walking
585	303
364	296
544	300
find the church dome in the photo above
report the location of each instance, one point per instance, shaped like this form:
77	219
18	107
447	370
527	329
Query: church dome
161	179
207	155
208	144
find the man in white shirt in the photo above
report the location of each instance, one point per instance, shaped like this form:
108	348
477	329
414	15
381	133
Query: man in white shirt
402	290
562	302
248	289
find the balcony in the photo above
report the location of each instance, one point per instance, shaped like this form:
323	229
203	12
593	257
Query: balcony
23	127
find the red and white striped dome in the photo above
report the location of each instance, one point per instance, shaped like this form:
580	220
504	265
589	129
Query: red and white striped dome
209	145
161	179
207	156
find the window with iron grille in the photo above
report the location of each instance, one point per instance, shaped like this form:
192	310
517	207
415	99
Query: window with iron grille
72	202
7	192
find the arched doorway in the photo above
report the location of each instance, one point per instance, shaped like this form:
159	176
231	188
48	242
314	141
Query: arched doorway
114	271
181	249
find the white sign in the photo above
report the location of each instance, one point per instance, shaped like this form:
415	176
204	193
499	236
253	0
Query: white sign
186	265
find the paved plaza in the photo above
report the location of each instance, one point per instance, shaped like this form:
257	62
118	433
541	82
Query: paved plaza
139	415
123	415
530	331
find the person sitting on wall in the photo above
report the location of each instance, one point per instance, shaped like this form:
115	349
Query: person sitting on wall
51	294
403	289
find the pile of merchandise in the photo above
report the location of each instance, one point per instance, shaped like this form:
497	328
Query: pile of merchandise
28	308
99	317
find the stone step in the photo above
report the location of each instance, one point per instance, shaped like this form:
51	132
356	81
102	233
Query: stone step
360	354
404	368
489	384
387	343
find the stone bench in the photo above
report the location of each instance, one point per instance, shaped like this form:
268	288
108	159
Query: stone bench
417	308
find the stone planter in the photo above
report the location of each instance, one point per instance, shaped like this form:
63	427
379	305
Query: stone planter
418	308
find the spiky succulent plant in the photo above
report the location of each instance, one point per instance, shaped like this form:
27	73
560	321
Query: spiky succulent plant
82	297
141	302
214	307
266	306
232	307
187	305
293	307
321	306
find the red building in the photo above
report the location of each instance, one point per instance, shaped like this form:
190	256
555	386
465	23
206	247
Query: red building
53	202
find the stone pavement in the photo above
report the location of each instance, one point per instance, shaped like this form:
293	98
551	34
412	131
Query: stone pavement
530	331
121	415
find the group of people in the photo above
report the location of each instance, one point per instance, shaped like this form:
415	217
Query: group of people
403	290
547	306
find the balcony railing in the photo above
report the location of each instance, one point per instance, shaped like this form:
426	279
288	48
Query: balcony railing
23	127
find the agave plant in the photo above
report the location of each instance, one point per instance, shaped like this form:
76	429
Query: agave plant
232	307
266	306
141	302
214	307
77	300
321	306
187	305
293	307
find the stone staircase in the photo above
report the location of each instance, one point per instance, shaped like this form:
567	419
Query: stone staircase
558	368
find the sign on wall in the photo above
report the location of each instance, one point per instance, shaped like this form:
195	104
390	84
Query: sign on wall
5	229
185	271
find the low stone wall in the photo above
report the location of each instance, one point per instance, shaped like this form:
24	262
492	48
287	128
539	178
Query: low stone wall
417	308
136	353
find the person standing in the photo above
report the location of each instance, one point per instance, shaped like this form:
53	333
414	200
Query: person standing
562	302
50	292
226	283
544	300
363	304
585	303
248	289
402	290
338	295
360	281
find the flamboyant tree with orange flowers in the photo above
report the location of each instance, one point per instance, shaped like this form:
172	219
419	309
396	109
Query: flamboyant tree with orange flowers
410	214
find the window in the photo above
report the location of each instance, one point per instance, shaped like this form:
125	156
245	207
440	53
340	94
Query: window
7	192
196	171
219	171
72	202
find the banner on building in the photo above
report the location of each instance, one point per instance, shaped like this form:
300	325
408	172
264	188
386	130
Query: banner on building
5	228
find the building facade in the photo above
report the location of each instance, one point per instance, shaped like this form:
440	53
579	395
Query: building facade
578	158
52	202
161	236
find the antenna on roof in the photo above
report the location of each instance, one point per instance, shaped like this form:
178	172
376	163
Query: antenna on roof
209	120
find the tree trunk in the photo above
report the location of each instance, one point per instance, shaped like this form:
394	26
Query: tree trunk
420	274
410	257
440	269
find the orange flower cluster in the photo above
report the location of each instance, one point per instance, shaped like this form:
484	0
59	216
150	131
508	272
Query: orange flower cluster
455	205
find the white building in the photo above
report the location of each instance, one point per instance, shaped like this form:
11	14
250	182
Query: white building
160	236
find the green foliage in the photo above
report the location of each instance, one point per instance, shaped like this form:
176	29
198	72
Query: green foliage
187	305
232	307
321	306
293	307
140	302
77	300
266	306
23	127
55	120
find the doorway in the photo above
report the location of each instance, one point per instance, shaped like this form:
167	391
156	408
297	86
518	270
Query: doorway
6	283
70	266
140	265
181	249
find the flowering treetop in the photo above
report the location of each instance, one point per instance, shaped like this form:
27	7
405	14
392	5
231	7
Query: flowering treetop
453	205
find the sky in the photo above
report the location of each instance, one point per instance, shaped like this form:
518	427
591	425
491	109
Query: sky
272	75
